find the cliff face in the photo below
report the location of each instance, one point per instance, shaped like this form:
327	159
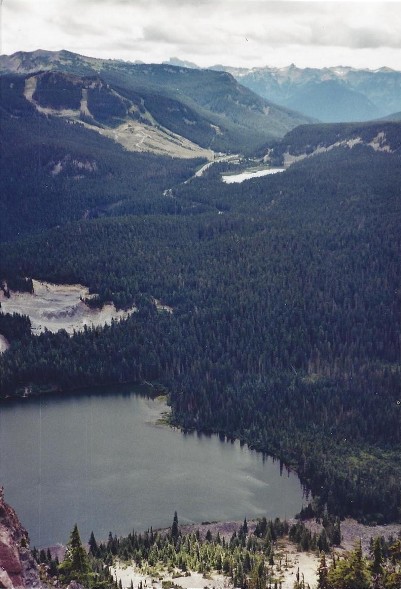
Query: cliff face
18	569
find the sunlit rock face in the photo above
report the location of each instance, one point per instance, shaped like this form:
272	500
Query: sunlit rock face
18	569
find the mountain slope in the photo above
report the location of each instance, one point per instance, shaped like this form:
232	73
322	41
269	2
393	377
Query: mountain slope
54	170
337	94
331	101
393	117
18	569
108	111
285	324
309	140
205	107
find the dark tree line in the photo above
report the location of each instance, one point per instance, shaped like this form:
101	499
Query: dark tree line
285	324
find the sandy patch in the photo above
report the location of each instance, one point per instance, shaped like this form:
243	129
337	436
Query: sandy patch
135	136
225	529
351	531
29	91
60	306
379	143
289	563
84	110
161	307
4	345
198	581
129	572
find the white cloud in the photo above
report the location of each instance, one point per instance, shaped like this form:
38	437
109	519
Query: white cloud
236	32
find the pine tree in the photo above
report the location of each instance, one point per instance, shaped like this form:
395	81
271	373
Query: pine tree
377	564
323	543
93	547
322	573
350	572
75	565
336	534
174	528
245	527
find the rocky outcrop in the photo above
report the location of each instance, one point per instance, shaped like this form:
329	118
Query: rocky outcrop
75	585
18	569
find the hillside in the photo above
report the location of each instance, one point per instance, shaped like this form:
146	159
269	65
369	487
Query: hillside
282	293
54	172
393	117
284	323
159	108
18	569
335	94
309	140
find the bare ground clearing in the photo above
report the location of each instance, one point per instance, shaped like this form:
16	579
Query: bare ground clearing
59	306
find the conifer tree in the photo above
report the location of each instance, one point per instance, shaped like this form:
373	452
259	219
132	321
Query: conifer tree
377	564
174	528
322	573
323	543
93	547
350	572
75	566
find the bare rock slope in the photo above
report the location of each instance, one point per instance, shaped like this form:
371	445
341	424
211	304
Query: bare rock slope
18	569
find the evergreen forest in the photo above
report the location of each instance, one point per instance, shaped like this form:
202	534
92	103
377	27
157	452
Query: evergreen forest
285	296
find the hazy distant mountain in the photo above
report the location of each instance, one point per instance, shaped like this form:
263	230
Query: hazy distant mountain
393	117
181	63
160	108
337	94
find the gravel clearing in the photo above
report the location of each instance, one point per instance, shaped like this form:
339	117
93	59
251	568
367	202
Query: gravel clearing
127	573
59	306
4	345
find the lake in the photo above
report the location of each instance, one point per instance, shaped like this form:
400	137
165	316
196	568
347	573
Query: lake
249	174
103	462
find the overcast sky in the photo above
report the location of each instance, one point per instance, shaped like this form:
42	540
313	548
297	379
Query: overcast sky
231	32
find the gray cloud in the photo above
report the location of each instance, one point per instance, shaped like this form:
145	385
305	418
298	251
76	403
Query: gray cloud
15	5
230	31
73	26
364	38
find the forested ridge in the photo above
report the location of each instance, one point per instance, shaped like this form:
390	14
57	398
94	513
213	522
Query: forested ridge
53	172
285	326
305	139
208	108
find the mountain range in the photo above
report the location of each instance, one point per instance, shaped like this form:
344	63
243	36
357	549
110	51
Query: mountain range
336	94
163	109
331	94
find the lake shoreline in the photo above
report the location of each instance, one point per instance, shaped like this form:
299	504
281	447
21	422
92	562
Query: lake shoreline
29	392
249	173
147	453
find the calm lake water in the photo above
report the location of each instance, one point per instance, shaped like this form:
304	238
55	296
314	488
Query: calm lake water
249	174
101	461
